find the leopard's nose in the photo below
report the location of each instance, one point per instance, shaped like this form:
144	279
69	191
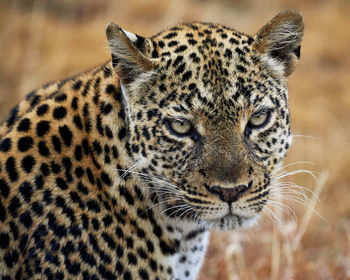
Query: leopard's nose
228	195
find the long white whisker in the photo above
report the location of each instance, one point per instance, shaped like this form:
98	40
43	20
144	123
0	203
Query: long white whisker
126	172
145	174
282	207
173	207
312	173
272	215
160	203
304	136
181	207
287	191
292	186
291	164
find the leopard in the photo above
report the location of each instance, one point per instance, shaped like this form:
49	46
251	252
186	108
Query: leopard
122	171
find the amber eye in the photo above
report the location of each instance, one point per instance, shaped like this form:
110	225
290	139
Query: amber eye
259	119
180	126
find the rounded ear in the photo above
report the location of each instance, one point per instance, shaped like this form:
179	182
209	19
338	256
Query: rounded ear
127	51
280	39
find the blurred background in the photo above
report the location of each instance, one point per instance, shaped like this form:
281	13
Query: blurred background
43	40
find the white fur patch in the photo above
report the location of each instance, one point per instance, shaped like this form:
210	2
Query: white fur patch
275	65
123	89
130	35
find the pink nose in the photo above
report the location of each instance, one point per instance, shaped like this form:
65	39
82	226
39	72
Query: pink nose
228	194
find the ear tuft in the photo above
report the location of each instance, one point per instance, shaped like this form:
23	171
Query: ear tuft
280	39
127	50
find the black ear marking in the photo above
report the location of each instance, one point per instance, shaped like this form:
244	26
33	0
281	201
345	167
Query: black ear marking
140	43
297	52
115	60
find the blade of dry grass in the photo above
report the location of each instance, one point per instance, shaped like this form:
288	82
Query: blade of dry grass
276	253
309	211
234	258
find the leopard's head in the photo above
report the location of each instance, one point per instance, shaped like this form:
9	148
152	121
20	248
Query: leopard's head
207	114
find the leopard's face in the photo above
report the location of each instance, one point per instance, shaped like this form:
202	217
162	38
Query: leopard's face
208	124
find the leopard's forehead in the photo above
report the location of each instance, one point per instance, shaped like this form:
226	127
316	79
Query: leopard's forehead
214	45
217	63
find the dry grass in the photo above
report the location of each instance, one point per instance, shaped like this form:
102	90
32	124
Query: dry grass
45	40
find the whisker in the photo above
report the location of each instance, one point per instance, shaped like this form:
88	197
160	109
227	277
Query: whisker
282	207
291	186
146	175
190	208
312	173
181	207
304	136
291	164
173	207
273	217
160	203
126	172
287	190
306	205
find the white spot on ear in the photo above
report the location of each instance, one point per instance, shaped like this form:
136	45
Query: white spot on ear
123	89
130	35
275	65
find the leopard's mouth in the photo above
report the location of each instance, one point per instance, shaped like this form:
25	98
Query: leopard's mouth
237	215
228	218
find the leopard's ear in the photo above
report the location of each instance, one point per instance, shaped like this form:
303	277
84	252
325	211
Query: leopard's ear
280	40
127	51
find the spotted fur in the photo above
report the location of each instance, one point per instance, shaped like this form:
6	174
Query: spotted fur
96	184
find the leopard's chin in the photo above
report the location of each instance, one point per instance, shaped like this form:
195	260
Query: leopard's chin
231	222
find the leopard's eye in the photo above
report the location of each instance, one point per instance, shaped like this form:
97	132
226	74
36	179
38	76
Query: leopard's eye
180	126
259	119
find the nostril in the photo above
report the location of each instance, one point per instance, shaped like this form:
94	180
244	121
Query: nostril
228	194
240	190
